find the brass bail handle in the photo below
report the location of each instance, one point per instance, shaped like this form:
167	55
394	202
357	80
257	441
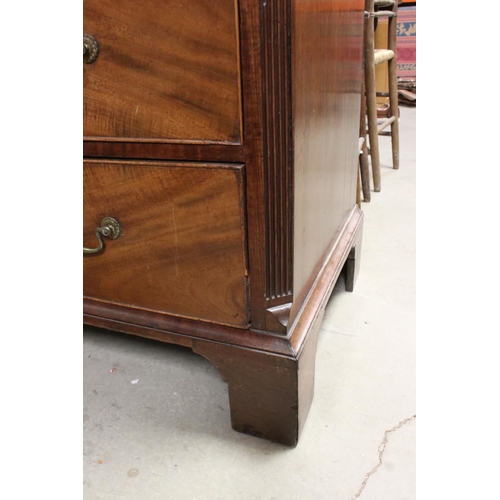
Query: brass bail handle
90	49
110	228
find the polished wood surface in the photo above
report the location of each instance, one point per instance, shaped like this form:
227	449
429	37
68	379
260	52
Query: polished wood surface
270	378
313	306
265	215
327	47
283	388
182	250
252	42
278	147
226	153
178	330
165	70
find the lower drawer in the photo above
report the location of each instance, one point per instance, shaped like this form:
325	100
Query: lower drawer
182	244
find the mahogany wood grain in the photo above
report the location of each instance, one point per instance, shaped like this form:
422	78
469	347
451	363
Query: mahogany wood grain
266	75
174	329
253	95
278	147
270	378
227	153
183	244
269	395
233	243
313	306
165	70
163	324
327	45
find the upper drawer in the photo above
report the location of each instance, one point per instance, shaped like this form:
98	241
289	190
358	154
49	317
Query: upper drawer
165	71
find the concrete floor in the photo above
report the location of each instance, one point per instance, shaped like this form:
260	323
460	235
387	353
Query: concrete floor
168	436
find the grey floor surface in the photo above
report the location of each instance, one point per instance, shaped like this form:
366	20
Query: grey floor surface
168	435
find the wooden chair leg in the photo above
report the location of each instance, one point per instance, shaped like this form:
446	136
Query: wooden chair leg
365	174
393	92
363	157
358	186
371	102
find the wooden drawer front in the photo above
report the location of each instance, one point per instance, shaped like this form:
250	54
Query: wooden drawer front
165	70
182	247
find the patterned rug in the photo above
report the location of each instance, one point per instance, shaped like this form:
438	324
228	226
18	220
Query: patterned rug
407	43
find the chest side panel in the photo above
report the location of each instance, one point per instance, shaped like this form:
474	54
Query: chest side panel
327	44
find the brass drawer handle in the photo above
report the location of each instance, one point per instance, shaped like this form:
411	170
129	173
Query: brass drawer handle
90	49
110	228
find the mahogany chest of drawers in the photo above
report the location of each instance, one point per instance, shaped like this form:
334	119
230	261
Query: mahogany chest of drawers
220	167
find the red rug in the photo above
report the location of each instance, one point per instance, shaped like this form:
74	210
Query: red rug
407	43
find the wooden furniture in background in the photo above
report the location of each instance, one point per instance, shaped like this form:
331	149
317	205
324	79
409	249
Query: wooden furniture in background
221	146
374	57
406	57
364	166
382	70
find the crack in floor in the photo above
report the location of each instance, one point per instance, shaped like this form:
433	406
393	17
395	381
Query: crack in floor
381	449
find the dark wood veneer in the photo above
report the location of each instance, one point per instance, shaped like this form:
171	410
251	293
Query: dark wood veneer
183	246
165	70
265	176
278	139
227	153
